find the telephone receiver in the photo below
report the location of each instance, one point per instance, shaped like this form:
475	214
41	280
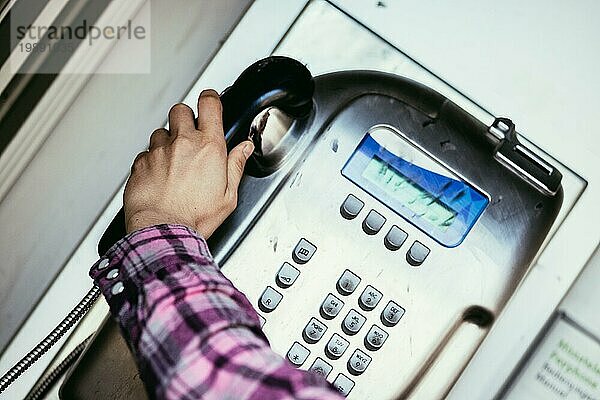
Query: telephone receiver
274	81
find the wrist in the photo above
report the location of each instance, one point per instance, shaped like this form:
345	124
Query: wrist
144	219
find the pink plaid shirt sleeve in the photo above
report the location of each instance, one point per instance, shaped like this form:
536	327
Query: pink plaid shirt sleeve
194	336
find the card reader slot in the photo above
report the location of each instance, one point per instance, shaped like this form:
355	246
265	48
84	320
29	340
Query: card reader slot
460	342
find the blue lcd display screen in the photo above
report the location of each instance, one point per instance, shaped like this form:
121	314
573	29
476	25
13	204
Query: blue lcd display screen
425	193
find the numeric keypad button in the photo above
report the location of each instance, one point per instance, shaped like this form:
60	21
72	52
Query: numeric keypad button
287	275
353	322
314	331
331	307
343	384
358	362
375	338
269	300
297	354
391	314
303	251
369	298
321	367
336	347
347	283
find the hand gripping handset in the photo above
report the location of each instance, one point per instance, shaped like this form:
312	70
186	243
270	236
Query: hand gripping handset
275	81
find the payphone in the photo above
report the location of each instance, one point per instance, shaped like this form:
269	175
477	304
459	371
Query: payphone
382	235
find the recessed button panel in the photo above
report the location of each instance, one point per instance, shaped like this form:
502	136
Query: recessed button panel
417	253
351	207
358	363
303	251
270	299
314	331
336	347
353	322
369	298
373	222
287	275
331	307
347	283
343	384
391	314
394	238
375	338
297	354
321	367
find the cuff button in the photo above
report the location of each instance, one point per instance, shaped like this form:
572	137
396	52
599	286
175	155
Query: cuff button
112	274
117	288
103	264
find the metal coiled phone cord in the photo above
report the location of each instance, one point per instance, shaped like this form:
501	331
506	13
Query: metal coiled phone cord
53	337
41	389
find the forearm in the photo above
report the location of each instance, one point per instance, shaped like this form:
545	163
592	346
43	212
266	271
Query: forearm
193	334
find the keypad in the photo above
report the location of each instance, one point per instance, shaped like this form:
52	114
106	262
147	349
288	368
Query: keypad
321	367
287	275
303	251
314	331
375	338
391	314
331	306
297	354
353	322
417	253
343	384
336	347
358	362
351	207
347	283
270	299
373	222
394	238
369	298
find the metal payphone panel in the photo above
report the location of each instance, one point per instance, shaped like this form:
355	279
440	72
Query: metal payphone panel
307	236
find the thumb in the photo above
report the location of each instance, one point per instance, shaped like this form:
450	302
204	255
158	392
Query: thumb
236	161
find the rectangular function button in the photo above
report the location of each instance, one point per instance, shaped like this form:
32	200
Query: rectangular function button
303	251
375	338
347	283
358	362
369	298
321	367
314	331
343	384
373	222
353	322
394	238
417	253
391	314
297	354
331	307
269	299
336	347
351	207
287	275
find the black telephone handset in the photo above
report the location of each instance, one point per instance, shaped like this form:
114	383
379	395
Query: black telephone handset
275	81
